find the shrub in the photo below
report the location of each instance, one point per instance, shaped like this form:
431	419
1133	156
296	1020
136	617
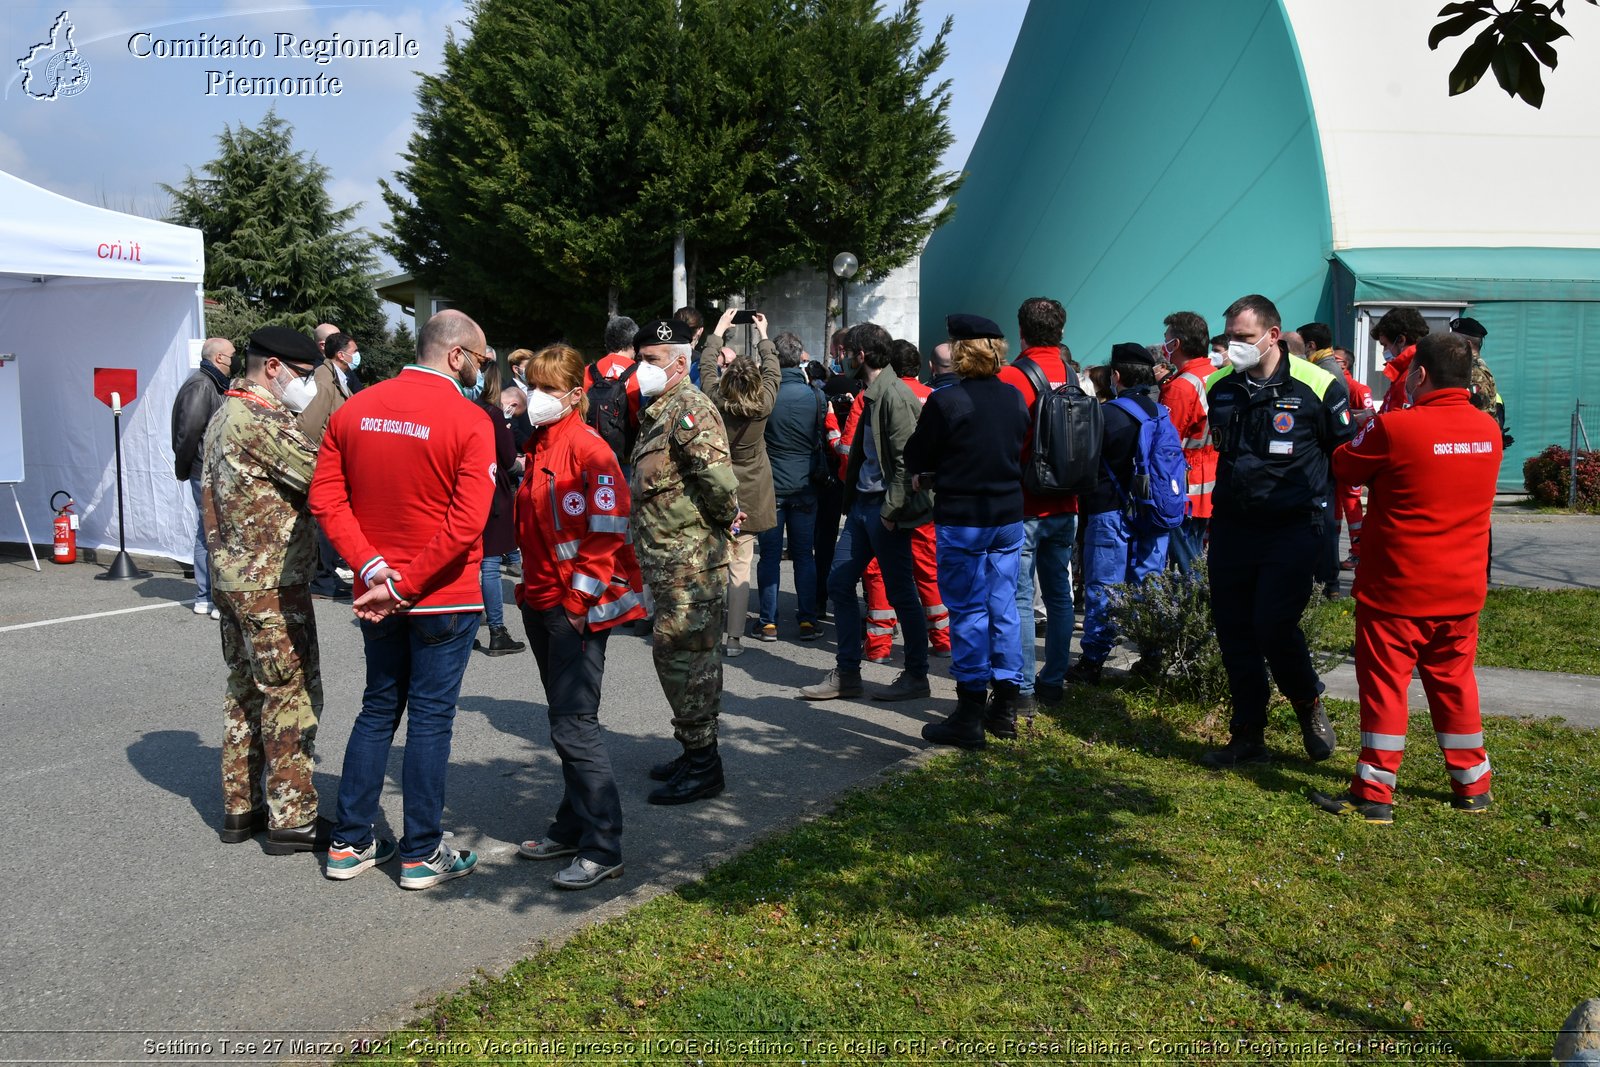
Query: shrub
1548	478
1169	615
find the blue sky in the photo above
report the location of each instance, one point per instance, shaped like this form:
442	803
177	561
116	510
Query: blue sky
142	121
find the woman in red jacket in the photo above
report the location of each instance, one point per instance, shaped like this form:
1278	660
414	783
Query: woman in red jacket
579	579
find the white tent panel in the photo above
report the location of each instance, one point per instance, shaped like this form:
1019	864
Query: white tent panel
67	307
49	235
1408	165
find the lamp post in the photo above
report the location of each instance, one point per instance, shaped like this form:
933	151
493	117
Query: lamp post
845	266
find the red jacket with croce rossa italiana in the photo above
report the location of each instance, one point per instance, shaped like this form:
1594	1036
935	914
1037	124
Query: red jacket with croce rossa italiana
405	477
572	527
1430	473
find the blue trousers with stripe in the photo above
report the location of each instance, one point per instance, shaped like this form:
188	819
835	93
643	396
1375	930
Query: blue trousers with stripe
978	568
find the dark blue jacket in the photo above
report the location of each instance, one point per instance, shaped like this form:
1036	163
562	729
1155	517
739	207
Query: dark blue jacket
792	437
1117	446
970	438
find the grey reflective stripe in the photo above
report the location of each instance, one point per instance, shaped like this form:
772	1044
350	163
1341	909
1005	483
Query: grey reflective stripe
585	584
880	614
1368	772
935	609
1192	443
939	624
1460	740
620	606
1383	742
607	524
1199	387
1202	489
567	549
1471	774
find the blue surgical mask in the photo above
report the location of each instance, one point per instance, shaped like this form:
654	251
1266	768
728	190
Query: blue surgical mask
355	360
476	389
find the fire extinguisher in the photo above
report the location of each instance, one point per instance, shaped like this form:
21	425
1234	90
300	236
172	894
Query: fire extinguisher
66	525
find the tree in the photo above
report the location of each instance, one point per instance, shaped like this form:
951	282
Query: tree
526	166
277	251
1515	44
860	175
564	145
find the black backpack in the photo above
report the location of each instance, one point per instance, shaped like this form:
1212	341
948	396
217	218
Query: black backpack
1068	428
608	410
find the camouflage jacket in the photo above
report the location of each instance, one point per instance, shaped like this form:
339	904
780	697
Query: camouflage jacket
685	495
1484	394
258	466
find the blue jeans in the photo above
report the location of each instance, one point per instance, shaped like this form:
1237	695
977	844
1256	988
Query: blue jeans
863	538
798	514
202	557
1186	544
1112	553
494	594
978	579
1047	550
414	668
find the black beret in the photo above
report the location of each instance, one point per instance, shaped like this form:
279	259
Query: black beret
1129	352
289	345
663	332
1468	328
972	327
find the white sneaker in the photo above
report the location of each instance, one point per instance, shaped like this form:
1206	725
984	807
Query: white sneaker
345	574
734	648
202	607
216	615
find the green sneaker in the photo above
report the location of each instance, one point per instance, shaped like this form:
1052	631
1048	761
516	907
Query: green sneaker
1350	804
347	861
445	863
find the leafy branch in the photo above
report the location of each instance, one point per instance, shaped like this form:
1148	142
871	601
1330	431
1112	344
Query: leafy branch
1516	43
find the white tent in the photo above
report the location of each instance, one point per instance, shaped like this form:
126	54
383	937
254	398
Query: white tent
83	287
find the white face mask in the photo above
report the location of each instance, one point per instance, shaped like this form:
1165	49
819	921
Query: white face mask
543	409
1218	358
652	379
1086	383
297	393
1243	355
355	359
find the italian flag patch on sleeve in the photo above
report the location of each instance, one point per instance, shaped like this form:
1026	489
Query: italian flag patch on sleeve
687	422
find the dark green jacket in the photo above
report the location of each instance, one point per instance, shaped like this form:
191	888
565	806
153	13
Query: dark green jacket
891	411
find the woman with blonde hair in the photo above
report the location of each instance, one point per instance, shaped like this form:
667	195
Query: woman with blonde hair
579	580
745	394
968	444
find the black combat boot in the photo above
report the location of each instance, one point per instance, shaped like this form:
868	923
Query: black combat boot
501	643
964	727
699	778
1000	716
663	772
237	828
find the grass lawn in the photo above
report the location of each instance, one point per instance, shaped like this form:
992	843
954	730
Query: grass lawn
1092	890
1531	629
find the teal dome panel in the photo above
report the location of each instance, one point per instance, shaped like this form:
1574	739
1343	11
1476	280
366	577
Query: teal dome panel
1139	158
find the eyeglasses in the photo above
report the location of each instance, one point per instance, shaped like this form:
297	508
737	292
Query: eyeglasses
482	357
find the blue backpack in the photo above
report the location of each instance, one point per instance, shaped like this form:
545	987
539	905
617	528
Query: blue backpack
1158	499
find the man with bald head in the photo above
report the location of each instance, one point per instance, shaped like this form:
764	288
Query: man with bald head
941	367
324	331
198	399
403	487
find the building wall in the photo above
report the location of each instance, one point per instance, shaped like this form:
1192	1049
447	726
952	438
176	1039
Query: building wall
797	301
1139	158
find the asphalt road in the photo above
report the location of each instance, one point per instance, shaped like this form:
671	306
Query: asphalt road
128	924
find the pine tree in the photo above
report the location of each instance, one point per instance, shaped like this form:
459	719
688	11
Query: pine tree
868	129
277	251
565	145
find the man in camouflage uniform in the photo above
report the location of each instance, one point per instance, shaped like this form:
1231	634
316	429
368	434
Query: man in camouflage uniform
258	466
685	500
1485	394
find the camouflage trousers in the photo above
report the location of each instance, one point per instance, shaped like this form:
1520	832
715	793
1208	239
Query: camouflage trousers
688	654
269	642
